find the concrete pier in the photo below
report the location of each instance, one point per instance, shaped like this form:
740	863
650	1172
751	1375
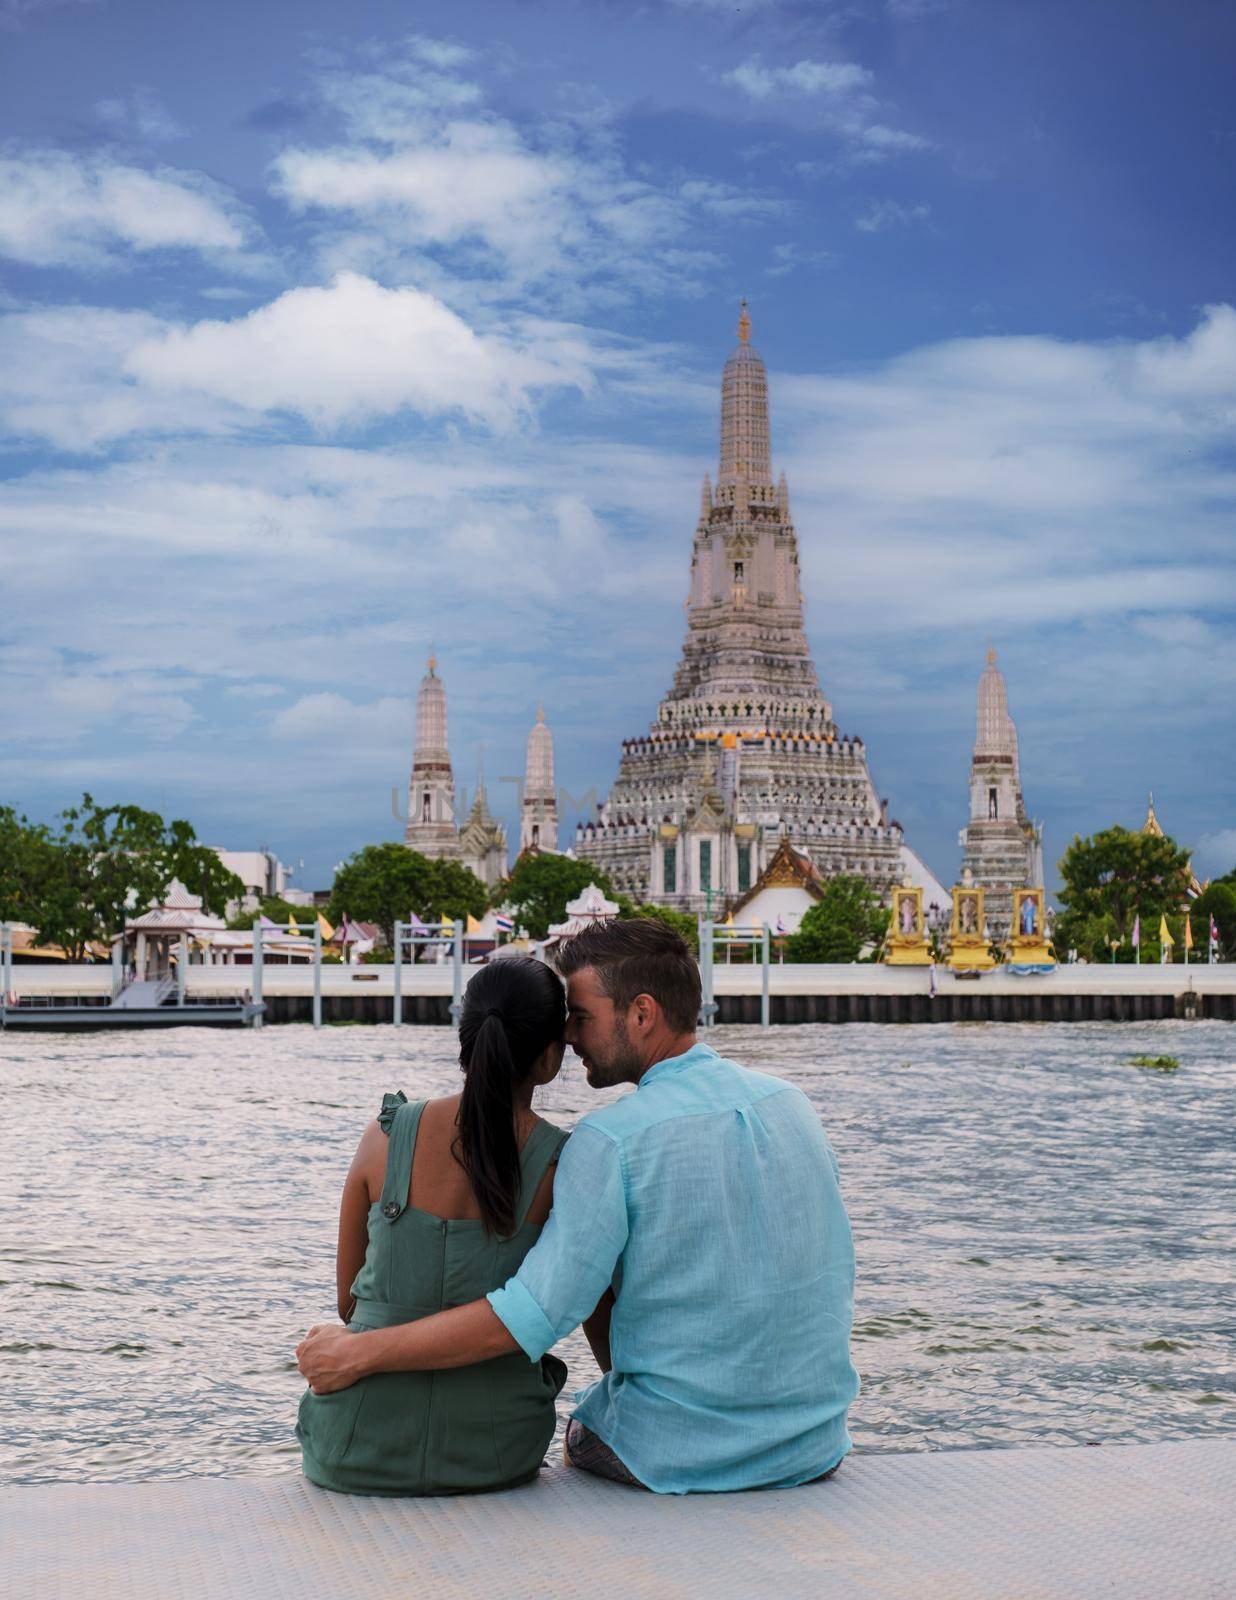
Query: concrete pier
1145	1522
806	993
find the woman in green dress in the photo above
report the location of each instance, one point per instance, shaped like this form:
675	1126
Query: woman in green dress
443	1201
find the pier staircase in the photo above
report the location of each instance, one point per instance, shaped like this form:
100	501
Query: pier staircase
144	994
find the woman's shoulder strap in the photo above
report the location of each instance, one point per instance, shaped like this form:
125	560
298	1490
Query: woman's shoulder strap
404	1119
390	1107
541	1152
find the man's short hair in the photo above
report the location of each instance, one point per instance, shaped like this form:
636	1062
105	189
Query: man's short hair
638	956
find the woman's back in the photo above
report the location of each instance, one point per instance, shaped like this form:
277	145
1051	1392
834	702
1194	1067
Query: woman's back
447	1432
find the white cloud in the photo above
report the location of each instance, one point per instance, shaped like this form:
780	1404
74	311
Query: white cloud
474	182
330	721
52	700
838	94
729	201
1025	480
791	257
400	100
352	351
881	140
763	82
428	185
142	113
58	209
441	53
881	215
339	356
62	379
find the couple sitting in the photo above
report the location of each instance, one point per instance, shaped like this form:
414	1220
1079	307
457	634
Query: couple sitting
694	1228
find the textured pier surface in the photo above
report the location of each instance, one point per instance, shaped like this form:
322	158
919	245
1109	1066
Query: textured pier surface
1142	1520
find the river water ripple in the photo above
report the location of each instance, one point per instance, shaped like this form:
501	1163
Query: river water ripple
1046	1233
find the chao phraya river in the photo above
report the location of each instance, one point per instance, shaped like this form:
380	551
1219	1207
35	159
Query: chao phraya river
1046	1233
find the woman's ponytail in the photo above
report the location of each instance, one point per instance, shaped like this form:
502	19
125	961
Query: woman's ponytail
513	1011
488	1147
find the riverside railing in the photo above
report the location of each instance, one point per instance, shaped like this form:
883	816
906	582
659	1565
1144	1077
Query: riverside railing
259	963
410	935
728	936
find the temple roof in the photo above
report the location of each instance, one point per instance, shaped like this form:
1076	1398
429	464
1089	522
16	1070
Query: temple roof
786	868
1154	828
995	731
539	761
431	715
745	447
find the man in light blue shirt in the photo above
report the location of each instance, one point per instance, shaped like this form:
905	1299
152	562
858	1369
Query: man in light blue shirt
703	1213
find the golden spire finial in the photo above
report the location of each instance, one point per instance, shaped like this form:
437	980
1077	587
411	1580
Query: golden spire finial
744	323
433	659
991	654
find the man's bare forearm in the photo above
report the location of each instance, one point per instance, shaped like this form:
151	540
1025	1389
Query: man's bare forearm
455	1338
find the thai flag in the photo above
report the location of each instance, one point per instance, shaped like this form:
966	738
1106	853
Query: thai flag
782	927
1214	930
503	923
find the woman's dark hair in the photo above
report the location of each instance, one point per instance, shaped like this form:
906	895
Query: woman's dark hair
513	1010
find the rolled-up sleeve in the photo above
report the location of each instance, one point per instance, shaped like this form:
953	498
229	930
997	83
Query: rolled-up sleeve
572	1264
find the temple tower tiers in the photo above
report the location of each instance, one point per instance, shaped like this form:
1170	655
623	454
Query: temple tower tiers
538	823
744	749
431	790
1002	847
482	841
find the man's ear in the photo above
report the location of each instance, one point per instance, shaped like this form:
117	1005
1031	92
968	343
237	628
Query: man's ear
646	1011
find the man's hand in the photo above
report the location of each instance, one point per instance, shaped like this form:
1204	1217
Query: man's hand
333	1358
327	1357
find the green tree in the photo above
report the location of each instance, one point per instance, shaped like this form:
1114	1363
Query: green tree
541	885
108	862
1217	900
384	883
277	910
1108	881
26	850
847	917
681	921
458	892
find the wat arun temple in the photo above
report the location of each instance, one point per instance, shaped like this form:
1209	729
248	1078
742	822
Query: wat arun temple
744	778
744	751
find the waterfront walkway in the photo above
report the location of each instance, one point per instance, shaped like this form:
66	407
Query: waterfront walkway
1065	1524
797	993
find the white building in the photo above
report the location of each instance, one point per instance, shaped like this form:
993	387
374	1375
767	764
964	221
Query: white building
262	873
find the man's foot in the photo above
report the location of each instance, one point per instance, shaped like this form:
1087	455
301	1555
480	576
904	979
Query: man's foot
581	1448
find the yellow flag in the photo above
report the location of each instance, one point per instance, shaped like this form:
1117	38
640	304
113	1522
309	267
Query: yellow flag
473	925
1164	936
292	928
327	931
1188	933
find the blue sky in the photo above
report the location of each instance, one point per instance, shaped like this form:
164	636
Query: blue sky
327	333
